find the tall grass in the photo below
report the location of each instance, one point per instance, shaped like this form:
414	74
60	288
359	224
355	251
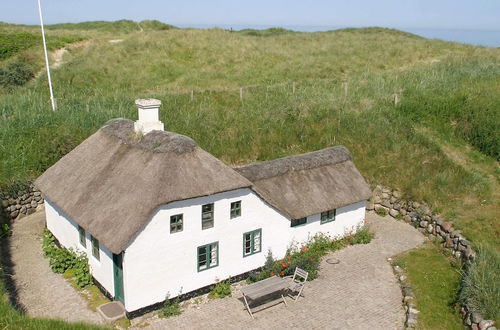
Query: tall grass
481	283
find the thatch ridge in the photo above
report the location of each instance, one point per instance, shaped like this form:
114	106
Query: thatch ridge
307	184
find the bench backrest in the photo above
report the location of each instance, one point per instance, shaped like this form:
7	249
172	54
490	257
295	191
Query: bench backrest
300	273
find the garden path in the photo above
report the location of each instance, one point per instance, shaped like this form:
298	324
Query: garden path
361	292
41	292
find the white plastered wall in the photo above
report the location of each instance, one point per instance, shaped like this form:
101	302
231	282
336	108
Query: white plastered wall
157	263
66	232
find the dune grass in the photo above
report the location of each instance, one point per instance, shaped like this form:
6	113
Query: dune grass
346	82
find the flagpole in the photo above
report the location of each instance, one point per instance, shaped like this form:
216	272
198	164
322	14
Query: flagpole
52	100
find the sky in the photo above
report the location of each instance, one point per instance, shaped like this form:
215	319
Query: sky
444	14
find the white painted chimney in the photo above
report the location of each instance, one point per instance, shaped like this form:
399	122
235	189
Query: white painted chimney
148	116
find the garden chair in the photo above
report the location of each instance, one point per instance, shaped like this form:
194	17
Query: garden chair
297	281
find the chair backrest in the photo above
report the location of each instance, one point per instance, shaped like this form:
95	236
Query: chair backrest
300	273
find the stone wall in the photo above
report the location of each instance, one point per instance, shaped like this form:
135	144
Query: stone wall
419	215
20	202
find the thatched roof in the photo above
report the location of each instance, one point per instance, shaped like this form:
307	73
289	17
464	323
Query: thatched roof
112	183
310	183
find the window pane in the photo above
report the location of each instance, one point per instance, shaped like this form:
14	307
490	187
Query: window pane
298	222
83	241
176	223
248	243
213	255
256	242
235	209
95	247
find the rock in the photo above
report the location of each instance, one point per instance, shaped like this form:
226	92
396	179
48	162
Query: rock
40	201
37	193
430	229
407	291
407	218
30	211
29	199
447	227
412	310
474	326
432	237
396	206
393	199
491	328
386	203
37	198
377	199
393	213
403	211
458	254
456	233
385	195
14	214
424	224
421	230
464	242
424	209
21	215
402	278
469	253
23	209
370	206
18	206
461	248
448	243
398	269
437	219
386	191
476	317
397	194
407	299
484	324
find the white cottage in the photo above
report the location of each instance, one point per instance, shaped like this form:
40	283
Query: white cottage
158	215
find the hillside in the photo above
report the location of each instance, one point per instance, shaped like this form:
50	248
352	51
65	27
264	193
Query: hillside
417	114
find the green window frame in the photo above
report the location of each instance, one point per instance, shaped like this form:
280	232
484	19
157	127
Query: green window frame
95	247
298	222
252	242
176	223
328	216
235	209
207	256
83	240
207	216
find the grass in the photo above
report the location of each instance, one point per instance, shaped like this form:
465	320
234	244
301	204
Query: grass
481	284
438	144
435	279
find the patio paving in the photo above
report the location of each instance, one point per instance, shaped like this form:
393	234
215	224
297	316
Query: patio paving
361	292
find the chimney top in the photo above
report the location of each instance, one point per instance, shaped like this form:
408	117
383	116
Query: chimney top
148	116
147	103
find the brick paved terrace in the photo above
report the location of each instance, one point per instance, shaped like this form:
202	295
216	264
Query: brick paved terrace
361	292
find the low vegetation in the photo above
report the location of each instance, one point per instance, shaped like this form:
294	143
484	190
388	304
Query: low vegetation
481	284
307	256
171	307
221	289
435	279
66	260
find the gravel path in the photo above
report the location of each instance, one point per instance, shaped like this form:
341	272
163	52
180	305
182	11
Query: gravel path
41	292
361	292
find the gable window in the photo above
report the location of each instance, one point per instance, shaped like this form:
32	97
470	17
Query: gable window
298	222
235	209
176	223
81	232
208	256
95	247
207	216
252	242
328	216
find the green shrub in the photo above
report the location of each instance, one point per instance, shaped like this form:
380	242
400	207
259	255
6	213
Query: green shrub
481	283
5	230
171	307
221	289
66	261
15	74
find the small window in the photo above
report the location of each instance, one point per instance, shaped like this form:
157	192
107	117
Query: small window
83	240
328	216
207	216
298	222
235	209
208	256
176	223
95	247
252	242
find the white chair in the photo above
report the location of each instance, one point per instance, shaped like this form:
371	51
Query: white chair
297	281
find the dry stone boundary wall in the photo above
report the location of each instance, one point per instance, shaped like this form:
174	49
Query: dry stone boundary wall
420	216
20	203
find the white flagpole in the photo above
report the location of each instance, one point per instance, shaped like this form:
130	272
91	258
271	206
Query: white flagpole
52	100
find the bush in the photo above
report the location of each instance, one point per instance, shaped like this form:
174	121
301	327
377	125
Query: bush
15	74
221	289
481	283
171	307
382	212
66	261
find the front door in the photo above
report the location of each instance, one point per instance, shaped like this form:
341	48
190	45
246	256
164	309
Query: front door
118	276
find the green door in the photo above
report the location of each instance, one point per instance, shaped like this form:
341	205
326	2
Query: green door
118	276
